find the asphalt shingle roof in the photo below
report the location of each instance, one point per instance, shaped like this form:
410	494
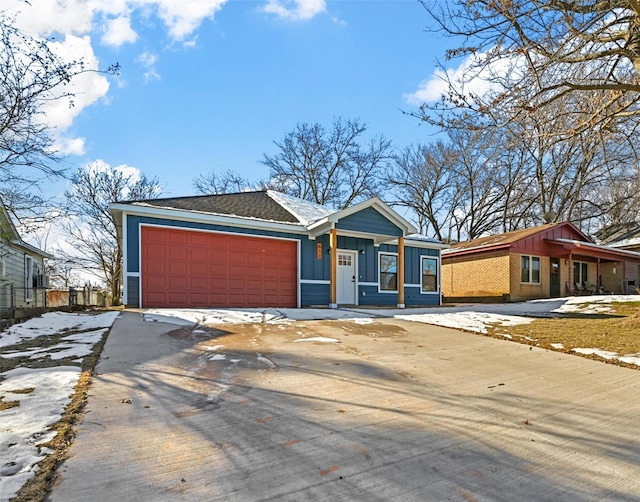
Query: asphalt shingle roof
257	205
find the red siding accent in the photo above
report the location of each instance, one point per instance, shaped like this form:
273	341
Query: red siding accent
183	268
536	243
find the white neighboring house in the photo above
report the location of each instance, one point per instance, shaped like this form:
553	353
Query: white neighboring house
23	281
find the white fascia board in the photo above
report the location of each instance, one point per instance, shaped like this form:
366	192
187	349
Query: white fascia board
212	219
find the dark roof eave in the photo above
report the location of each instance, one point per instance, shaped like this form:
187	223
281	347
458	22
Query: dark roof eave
475	250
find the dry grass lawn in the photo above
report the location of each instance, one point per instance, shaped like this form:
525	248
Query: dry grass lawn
617	331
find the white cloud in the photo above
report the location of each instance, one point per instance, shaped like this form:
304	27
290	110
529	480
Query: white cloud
295	10
46	17
119	32
467	78
184	17
69	146
88	87
148	61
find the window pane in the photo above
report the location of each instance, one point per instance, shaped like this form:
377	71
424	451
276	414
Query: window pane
576	272
388	272
388	263
429	274
585	267
535	270
524	275
388	282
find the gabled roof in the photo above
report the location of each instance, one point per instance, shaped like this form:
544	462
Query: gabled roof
9	232
505	240
620	235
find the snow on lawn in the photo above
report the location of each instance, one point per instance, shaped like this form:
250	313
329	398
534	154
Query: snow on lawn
43	393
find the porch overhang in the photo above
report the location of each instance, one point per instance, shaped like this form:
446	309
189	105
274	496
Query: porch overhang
573	247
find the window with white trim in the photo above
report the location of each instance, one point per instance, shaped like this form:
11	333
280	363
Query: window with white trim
429	274
530	269
388	271
580	269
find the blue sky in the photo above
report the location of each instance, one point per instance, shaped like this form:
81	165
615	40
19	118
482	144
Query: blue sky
213	84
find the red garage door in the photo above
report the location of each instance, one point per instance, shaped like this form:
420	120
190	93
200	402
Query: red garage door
183	268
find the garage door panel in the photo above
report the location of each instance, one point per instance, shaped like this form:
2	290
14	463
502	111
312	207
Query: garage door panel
191	268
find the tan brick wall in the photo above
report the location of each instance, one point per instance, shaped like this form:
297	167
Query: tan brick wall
525	291
612	281
488	276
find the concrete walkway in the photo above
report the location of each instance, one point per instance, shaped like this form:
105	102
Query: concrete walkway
395	411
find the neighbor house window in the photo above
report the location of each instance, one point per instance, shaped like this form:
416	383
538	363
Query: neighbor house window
388	272
28	278
580	272
429	267
530	269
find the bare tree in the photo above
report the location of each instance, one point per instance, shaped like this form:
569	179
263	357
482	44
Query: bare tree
332	168
93	229
228	182
554	48
31	75
422	181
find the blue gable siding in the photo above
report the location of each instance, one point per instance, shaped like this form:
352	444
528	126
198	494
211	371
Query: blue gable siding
371	221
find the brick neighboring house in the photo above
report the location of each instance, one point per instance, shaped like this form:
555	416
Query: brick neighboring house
548	261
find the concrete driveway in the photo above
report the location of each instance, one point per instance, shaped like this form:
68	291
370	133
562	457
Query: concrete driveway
394	411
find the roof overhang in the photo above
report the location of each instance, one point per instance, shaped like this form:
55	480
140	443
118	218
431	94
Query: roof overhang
595	250
451	252
28	248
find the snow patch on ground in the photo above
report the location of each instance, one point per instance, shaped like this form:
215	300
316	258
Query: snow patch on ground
191	317
23	428
605	354
467	320
321	339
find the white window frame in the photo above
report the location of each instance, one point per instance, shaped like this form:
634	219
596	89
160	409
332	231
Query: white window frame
380	255
28	278
530	259
434	258
583	267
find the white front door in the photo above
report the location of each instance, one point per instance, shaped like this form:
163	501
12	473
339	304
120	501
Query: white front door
347	278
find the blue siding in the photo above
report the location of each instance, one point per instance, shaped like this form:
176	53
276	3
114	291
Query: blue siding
372	297
314	294
412	297
371	221
133	291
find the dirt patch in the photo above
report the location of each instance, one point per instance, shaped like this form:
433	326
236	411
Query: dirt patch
617	332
